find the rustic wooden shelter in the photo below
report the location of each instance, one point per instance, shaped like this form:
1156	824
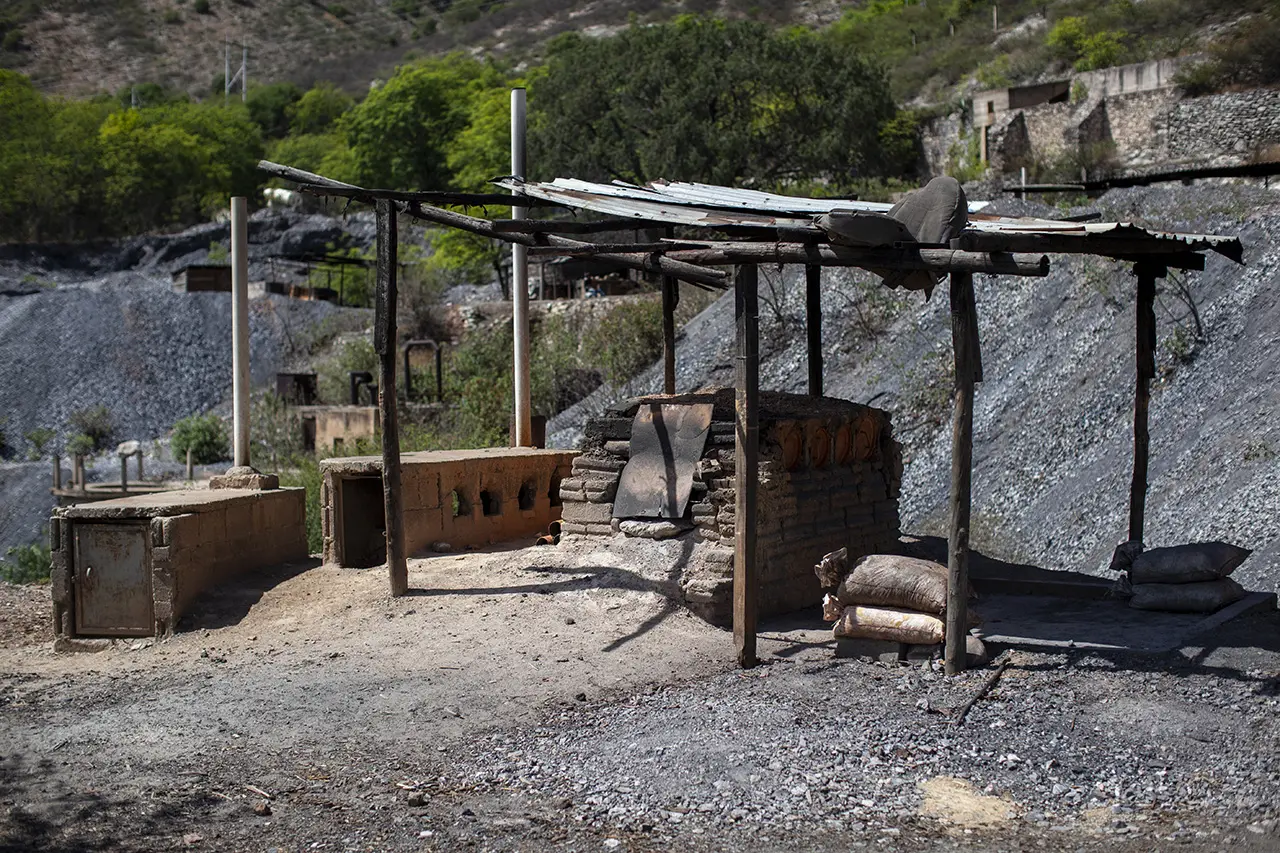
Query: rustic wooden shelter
745	228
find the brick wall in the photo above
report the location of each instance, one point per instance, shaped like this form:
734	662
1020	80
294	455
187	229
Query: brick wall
828	479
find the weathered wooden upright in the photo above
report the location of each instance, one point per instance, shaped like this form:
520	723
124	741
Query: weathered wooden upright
813	325
1145	340
670	298
746	575
384	343
964	339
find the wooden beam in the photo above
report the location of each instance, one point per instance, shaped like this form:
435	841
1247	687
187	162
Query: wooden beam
813	325
384	343
1145	340
437	197
670	298
589	249
746	575
560	226
319	185
963	312
937	260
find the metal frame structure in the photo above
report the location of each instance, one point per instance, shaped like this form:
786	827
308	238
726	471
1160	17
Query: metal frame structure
749	228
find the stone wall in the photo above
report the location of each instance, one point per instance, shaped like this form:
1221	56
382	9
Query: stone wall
1228	126
459	497
830	472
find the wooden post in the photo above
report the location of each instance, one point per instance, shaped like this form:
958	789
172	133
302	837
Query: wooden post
384	343
813	325
746	577
1146	363
57	471
124	473
670	299
964	341
191	469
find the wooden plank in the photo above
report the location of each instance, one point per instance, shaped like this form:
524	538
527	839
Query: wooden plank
1145	346
670	299
1068	244
938	260
813	325
746	576
962	340
384	343
560	226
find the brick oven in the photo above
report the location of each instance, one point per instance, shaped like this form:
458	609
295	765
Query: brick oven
830	473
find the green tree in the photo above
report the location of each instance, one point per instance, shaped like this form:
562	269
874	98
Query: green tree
402	133
39	439
204	435
1074	40
318	109
699	99
177	163
269	105
323	153
27	563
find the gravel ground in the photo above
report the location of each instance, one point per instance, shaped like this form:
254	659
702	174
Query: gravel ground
537	700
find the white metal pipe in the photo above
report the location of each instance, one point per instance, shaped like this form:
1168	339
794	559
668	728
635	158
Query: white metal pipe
240	326
520	284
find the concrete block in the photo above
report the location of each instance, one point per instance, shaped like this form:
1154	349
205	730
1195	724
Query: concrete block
586	513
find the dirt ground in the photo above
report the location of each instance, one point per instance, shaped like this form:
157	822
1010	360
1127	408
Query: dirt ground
308	710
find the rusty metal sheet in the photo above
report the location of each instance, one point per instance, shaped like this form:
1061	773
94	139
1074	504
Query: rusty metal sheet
667	441
113	580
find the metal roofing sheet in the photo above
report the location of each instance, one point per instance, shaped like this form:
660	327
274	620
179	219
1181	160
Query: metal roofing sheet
704	205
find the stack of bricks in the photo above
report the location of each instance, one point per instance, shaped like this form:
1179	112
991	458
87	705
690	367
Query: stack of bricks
830	473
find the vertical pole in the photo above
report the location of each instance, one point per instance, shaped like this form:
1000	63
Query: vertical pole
439	374
964	342
124	473
57	471
520	284
1023	195
384	343
670	298
746	577
240	327
226	74
139	464
244	73
1146	370
191	468
813	325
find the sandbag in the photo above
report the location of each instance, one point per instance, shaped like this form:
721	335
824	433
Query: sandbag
888	580
1202	597
1199	561
883	623
832	609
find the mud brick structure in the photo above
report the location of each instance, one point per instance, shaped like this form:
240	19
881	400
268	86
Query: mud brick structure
460	497
131	567
830	472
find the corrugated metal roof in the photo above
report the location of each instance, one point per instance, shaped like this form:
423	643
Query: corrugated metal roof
704	205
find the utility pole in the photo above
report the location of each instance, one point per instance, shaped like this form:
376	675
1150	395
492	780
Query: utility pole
241	75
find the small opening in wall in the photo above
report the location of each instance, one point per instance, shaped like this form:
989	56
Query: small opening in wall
491	502
554	492
461	506
528	494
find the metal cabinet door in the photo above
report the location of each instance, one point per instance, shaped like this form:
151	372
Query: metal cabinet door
113	580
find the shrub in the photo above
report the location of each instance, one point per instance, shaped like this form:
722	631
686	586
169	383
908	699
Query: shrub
80	445
204	435
39	438
627	339
171	16
95	425
202	7
27	563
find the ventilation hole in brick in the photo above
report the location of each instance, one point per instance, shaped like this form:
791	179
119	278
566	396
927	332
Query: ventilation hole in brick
528	494
461	506
491	502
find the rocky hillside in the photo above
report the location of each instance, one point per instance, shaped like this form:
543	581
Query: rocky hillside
1053	420
73	47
